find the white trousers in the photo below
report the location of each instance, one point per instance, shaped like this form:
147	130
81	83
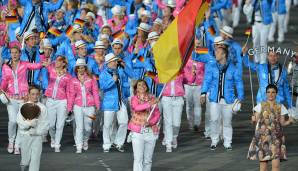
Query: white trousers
193	106
207	132
287	17
56	115
122	120
223	111
83	124
143	147
278	20
236	13
260	38
12	109
31	148
172	112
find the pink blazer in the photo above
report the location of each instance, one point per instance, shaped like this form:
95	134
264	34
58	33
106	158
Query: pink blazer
189	77
58	87
20	86
137	106
118	27
76	96
177	86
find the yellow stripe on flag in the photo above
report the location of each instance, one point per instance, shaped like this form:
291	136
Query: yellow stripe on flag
201	13
168	61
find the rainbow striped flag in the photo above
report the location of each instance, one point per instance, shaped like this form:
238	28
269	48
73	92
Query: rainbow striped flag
79	22
174	47
69	30
11	19
55	31
201	50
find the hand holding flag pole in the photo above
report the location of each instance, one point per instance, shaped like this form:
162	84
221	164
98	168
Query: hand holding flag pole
154	106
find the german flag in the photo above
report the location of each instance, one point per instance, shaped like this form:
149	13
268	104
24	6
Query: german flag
14	12
248	31
172	50
79	22
201	50
141	58
119	33
211	30
11	19
55	31
69	30
151	74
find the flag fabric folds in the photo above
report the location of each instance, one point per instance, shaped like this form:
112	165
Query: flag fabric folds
174	47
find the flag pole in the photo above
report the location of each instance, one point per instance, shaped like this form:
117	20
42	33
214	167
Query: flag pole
154	106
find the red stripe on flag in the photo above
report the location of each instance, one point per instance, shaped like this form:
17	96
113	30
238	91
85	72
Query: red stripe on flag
186	27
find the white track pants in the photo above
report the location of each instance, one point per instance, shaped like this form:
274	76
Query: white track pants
193	106
278	20
143	147
223	111
260	38
13	108
83	124
31	148
56	115
122	119
172	111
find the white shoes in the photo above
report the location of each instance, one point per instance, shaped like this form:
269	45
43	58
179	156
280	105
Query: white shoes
85	146
79	151
17	151
10	148
168	149
52	144
57	150
174	143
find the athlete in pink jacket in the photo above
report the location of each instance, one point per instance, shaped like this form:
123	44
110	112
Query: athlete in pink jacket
14	83
172	105
143	133
193	78
57	93
83	99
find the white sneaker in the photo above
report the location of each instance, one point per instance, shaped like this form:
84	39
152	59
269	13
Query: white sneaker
17	151
163	142
79	151
52	144
174	143
57	150
168	149
10	148
85	146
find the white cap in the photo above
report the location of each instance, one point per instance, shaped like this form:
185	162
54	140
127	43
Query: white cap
110	57
171	3
152	35
227	30
117	10
219	40
99	45
104	36
79	43
117	41
91	14
47	43
81	62
76	27
147	2
106	25
146	13
158	21
145	27
28	34
62	9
